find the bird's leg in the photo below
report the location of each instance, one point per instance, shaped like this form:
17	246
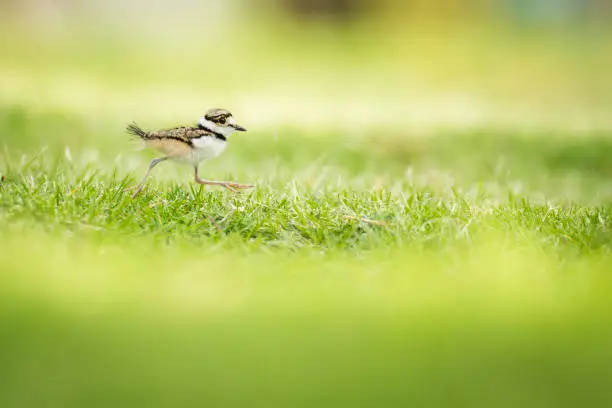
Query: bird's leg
138	187
227	184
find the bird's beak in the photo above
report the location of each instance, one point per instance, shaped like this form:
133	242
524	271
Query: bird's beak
238	127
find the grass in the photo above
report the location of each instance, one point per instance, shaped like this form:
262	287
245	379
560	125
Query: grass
374	263
331	193
360	270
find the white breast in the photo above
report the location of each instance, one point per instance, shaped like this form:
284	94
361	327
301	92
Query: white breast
206	148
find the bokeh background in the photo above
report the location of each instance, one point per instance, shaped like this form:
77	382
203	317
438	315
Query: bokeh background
333	63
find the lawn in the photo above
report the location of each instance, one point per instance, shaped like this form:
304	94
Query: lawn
373	265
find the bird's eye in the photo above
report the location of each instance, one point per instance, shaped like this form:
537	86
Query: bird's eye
222	121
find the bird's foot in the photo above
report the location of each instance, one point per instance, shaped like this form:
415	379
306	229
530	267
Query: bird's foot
235	187
138	188
231	186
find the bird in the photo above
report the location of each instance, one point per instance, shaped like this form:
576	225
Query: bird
190	145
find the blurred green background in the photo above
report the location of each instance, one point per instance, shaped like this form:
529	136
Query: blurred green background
472	136
346	64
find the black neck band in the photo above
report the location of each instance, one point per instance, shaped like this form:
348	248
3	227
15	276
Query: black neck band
217	135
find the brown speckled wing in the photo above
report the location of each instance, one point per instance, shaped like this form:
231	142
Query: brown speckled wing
182	134
176	141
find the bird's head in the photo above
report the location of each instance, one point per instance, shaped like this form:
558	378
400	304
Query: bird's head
220	121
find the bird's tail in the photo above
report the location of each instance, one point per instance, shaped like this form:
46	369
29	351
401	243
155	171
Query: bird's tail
135	130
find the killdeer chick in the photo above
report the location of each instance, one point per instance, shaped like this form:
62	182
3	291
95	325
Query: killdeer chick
191	145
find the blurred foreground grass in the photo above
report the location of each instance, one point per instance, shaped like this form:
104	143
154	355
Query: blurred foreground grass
132	324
